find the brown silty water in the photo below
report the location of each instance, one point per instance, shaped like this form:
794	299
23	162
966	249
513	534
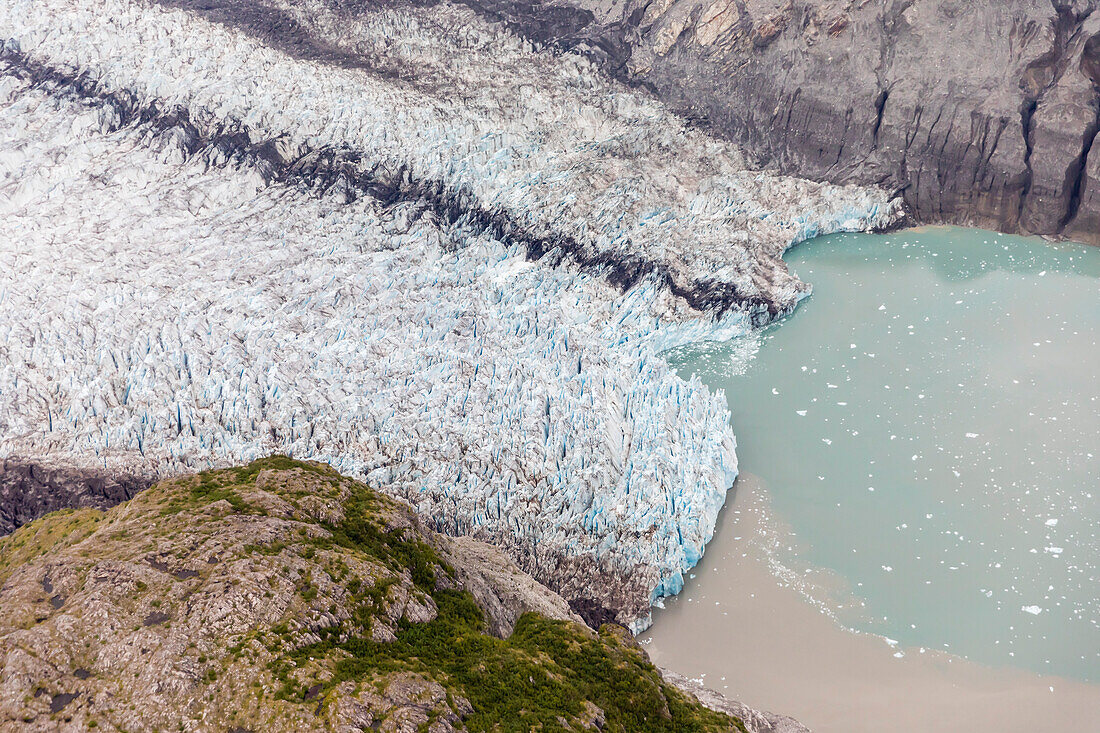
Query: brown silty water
757	638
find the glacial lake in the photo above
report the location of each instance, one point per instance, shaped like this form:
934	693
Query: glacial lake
926	428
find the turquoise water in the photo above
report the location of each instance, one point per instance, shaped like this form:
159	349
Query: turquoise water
928	425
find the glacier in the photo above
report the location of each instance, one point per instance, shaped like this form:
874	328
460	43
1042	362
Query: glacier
418	249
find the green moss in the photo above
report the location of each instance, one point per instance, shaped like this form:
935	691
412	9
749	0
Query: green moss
426	726
544	677
217	485
541	676
273	548
206	492
362	529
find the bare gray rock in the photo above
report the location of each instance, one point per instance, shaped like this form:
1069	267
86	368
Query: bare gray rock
503	591
175	607
755	721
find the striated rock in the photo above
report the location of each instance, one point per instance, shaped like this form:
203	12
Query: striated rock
195	606
501	589
979	112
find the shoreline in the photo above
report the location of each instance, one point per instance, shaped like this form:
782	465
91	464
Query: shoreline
798	661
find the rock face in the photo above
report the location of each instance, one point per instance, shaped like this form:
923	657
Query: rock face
978	112
281	596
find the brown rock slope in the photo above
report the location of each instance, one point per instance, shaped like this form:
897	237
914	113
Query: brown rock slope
283	596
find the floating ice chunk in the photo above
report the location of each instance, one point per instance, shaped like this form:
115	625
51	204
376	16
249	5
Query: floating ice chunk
1033	610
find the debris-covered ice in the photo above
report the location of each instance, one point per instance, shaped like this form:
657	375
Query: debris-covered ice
429	256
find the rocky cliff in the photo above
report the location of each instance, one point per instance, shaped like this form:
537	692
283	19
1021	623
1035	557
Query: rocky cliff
284	596
980	112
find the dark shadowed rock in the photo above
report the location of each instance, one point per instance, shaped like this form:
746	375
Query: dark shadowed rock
29	489
594	613
58	702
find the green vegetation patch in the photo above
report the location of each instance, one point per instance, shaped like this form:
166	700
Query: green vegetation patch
539	678
547	676
363	529
247	474
225	485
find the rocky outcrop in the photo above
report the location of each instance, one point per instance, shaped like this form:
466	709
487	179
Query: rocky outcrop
282	596
754	721
980	112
